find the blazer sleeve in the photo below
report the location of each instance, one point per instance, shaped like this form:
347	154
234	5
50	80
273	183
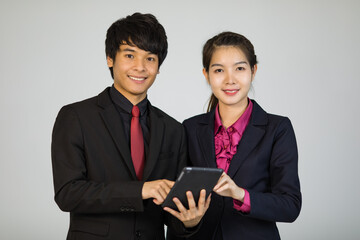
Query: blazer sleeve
73	191
282	203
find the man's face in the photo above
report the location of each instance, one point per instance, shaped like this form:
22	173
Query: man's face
134	71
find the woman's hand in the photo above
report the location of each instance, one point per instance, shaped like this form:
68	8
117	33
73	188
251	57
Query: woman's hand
192	216
227	188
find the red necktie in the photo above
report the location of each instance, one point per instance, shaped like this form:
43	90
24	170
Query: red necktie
137	143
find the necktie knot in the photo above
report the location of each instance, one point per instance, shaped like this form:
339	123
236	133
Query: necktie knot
135	111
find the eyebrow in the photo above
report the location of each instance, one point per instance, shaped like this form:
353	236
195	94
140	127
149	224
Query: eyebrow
128	50
132	50
220	65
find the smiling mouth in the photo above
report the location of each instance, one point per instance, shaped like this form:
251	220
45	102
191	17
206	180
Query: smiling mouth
137	78
231	91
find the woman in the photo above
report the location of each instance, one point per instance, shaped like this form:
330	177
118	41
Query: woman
257	150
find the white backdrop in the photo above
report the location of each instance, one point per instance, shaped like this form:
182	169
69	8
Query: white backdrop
52	54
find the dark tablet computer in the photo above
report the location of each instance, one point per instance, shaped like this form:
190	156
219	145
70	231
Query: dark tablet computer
192	179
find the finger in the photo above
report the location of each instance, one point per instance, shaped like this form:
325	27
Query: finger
158	197
163	192
222	176
209	197
170	183
156	201
158	192
179	205
223	179
201	202
222	188
207	203
220	184
167	183
190	199
173	212
166	186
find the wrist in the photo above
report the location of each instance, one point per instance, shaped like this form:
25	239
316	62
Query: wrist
190	225
240	194
144	194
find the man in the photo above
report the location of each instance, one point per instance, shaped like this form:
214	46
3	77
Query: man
115	156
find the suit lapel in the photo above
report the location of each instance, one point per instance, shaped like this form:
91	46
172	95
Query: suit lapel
250	139
156	136
205	136
115	127
248	142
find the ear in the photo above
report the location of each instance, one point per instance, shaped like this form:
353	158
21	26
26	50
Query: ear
254	72
206	74
109	61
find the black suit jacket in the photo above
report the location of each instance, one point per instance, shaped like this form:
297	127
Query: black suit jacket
94	178
266	164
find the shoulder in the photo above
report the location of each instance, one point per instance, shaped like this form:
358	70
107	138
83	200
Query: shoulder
272	121
192	124
200	118
278	120
77	111
82	104
87	105
259	113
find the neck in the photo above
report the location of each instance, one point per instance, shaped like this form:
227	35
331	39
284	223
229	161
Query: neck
134	99
230	114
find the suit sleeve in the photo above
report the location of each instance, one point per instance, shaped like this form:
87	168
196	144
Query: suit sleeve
73	191
283	201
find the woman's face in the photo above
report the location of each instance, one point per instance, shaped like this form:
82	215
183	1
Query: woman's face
230	76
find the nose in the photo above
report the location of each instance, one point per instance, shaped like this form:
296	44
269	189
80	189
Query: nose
139	65
229	79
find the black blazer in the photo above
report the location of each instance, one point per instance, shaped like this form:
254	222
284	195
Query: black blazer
94	178
266	164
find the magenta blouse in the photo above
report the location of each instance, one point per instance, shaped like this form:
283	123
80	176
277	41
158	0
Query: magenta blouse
226	142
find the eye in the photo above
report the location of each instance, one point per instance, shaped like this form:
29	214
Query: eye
151	59
240	68
129	56
218	70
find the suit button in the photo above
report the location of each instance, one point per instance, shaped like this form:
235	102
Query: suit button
138	234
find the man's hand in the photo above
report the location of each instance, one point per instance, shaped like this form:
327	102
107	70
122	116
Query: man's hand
192	216
158	190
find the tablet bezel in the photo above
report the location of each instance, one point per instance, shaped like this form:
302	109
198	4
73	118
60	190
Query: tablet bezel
192	179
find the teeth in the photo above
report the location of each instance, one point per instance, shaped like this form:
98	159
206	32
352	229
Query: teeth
137	79
231	91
